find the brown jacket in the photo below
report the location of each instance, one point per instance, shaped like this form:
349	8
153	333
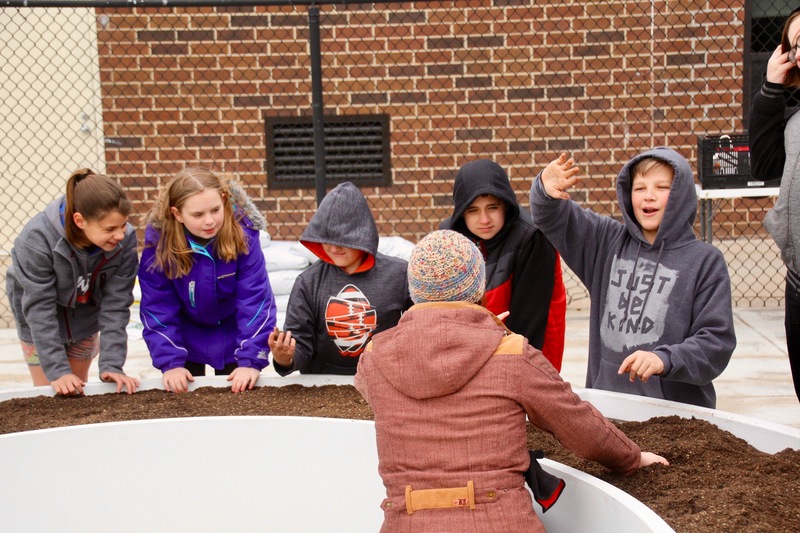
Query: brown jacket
450	388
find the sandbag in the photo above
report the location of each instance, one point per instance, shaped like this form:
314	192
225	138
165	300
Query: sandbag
282	281
396	247
280	257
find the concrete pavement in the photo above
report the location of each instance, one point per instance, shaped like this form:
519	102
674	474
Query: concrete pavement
757	382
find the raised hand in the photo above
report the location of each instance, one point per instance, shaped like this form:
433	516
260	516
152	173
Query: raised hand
779	66
559	176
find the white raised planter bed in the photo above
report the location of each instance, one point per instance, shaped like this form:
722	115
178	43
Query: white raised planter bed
761	434
287	474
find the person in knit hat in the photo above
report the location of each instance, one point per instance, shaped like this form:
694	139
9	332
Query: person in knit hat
452	388
446	267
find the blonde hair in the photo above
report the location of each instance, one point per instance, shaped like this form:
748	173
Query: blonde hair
93	196
173	254
643	166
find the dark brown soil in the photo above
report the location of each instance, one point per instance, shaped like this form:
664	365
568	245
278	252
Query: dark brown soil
716	482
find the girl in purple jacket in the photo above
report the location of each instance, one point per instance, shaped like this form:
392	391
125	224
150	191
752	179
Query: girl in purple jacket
206	298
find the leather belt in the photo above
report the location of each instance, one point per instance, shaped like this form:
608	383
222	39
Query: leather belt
417	500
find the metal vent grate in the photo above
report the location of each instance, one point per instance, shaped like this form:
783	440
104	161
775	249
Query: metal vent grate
356	150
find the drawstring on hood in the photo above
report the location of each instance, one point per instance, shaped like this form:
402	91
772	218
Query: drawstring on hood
647	294
633	277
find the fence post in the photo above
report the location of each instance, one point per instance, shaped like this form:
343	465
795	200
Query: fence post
317	105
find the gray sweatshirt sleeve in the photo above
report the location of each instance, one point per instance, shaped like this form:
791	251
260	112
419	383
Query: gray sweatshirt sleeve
34	271
581	236
116	309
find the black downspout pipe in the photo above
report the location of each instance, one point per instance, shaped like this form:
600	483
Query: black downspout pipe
317	106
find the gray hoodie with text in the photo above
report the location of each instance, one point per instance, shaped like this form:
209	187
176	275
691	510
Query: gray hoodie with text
672	297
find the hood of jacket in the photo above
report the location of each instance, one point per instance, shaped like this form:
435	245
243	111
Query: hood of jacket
478	178
54	212
244	208
343	218
437	347
681	210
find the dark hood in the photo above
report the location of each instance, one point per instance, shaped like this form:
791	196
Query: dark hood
477	178
344	219
676	226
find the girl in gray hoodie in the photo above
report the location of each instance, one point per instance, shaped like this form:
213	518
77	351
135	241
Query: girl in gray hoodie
72	276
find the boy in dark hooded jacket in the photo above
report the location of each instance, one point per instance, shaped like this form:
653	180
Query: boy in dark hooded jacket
661	320
523	270
338	303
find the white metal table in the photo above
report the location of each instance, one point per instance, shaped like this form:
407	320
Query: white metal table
707	197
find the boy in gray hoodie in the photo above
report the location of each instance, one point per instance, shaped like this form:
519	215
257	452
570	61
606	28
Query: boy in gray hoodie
338	303
661	320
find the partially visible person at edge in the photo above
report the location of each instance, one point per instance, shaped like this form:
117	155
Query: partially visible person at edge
451	389
523	270
339	302
206	298
70	286
661	321
775	152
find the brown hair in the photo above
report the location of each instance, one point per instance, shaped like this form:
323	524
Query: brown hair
793	76
173	253
93	196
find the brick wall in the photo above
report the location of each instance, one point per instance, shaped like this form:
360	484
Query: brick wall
515	81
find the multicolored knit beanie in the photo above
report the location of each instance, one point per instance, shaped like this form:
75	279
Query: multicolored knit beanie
446	267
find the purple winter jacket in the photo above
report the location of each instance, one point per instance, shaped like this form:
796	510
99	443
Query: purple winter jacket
220	313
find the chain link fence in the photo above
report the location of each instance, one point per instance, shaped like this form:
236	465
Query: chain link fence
409	92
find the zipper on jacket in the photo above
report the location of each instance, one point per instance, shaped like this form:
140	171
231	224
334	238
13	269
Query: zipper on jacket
191	293
66	325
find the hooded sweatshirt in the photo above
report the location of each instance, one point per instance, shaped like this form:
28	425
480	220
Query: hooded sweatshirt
672	297
61	294
332	314
523	271
220	312
451	390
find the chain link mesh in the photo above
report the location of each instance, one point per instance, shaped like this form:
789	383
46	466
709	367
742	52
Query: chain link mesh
141	92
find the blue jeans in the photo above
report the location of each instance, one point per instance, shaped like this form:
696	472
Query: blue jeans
792	324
